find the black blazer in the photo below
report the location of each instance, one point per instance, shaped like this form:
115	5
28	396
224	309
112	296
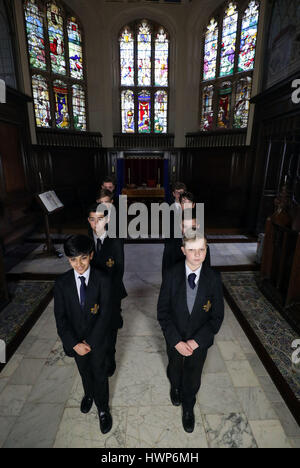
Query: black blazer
207	314
110	260
74	324
173	254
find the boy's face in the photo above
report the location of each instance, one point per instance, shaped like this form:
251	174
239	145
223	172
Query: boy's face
108	186
177	193
106	201
97	222
81	263
195	253
186	203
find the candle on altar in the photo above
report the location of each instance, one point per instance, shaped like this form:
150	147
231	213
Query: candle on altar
158	176
129	175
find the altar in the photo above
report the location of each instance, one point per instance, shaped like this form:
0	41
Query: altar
145	195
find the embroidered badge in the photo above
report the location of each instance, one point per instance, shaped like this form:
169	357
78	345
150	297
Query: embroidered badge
94	310
207	307
110	263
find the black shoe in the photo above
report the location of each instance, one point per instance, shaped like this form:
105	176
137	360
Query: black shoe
175	396
105	422
111	367
86	404
188	420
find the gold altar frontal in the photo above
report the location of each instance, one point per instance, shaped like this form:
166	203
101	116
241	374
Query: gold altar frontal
144	192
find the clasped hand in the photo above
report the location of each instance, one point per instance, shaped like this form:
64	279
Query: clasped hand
82	348
186	348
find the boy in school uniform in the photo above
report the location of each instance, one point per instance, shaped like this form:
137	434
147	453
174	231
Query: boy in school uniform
82	303
108	258
173	253
190	311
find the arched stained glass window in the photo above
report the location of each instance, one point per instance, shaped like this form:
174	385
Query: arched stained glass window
248	37
35	34
127	58
144	56
228	40
210	52
55	49
229	47
75	49
56	39
161	58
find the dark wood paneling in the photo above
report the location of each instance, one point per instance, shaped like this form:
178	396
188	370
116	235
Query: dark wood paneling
221	178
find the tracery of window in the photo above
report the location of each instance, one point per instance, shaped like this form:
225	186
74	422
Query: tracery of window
144	77
227	68
55	51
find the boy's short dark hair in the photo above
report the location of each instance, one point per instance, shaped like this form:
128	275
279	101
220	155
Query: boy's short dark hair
92	208
97	208
105	193
188	195
78	245
108	179
178	186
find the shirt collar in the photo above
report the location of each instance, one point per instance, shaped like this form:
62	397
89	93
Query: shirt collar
197	272
101	238
86	275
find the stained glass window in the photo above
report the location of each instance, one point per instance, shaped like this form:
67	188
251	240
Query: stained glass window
228	40
41	101
248	37
160	111
210	51
242	98
54	36
161	58
127	58
78	102
144	102
56	39
127	105
144	56
207	108
229	47
224	105
75	49
35	34
61	104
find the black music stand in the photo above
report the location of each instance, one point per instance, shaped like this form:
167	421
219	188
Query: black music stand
50	203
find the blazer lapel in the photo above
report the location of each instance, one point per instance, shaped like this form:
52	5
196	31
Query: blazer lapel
89	294
74	292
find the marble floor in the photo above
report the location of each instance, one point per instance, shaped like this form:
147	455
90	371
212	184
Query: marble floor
237	406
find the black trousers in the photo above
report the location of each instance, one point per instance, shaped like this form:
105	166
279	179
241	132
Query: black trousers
94	378
185	374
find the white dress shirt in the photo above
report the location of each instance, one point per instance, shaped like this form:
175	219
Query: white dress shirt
101	238
197	272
